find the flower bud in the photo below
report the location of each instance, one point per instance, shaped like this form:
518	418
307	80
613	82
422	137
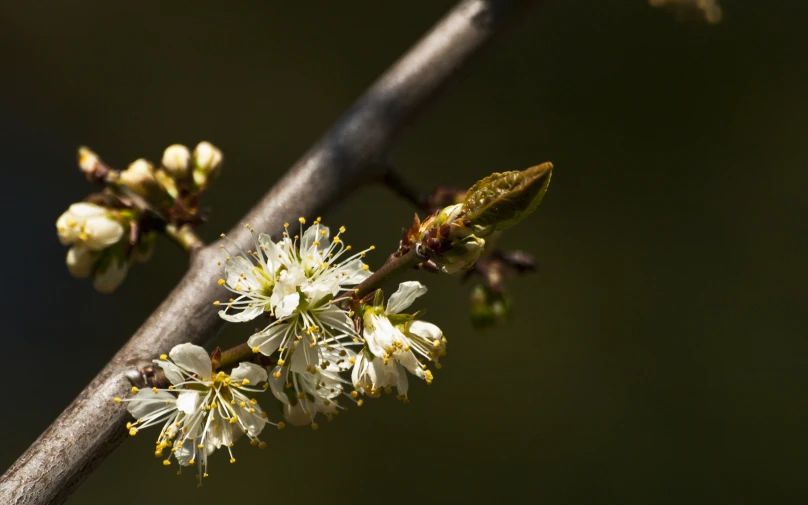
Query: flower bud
88	161
89	224
176	160
81	260
462	256
488	308
139	177
110	274
207	162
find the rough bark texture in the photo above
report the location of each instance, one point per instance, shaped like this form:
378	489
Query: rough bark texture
92	426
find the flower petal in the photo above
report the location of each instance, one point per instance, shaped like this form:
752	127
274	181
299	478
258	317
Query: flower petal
245	315
192	358
270	339
253	373
188	401
406	294
287	305
172	371
147	402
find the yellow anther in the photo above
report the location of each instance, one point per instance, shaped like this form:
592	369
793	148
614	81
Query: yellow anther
163	357
221	282
342	229
360	403
354	394
388	390
277	374
232	460
365	267
154	390
256	350
116	400
244	382
243	404
263	415
262	445
314	426
134	390
281	425
302	220
253	401
323	233
234	420
251	411
336	240
438	366
280	362
191	461
166	462
200	446
216	303
132	431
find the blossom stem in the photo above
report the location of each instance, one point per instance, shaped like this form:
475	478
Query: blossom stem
393	266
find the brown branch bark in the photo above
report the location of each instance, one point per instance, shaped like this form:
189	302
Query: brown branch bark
92	426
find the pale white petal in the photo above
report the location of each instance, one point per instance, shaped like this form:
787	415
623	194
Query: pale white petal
287	305
188	401
192	358
253	373
146	402
406	294
427	331
337	319
270	339
276	256
172	371
247	314
296	415
277	385
402	384
351	272
408	360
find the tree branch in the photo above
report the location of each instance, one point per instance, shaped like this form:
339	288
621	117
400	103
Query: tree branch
92	426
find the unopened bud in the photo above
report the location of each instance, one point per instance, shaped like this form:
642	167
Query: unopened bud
207	163
81	260
139	177
88	162
177	160
462	256
110	273
488	308
89	224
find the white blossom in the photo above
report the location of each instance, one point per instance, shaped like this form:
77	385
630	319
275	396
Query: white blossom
306	390
395	344
201	411
296	281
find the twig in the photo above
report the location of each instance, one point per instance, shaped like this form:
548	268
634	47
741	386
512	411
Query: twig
92	426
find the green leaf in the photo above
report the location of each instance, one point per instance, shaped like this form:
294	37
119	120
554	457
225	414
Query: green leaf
501	200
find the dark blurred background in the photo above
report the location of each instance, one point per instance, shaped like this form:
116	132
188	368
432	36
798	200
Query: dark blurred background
659	355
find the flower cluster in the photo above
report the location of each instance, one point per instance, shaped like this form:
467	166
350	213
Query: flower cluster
98	248
117	227
201	410
322	344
